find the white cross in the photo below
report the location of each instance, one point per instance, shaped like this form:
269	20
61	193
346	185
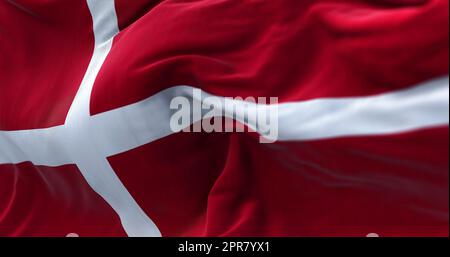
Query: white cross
87	140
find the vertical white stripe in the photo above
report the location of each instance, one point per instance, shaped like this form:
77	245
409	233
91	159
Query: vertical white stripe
105	28
82	145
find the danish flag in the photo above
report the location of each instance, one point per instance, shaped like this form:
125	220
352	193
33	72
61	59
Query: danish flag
86	147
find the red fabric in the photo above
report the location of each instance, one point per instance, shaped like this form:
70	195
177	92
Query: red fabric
47	201
45	47
230	185
198	184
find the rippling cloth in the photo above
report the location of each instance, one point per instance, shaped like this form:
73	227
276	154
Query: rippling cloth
84	146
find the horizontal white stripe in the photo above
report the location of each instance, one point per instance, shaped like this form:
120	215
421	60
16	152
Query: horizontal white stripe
40	146
422	106
116	131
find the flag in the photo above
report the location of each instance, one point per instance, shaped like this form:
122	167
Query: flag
85	143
